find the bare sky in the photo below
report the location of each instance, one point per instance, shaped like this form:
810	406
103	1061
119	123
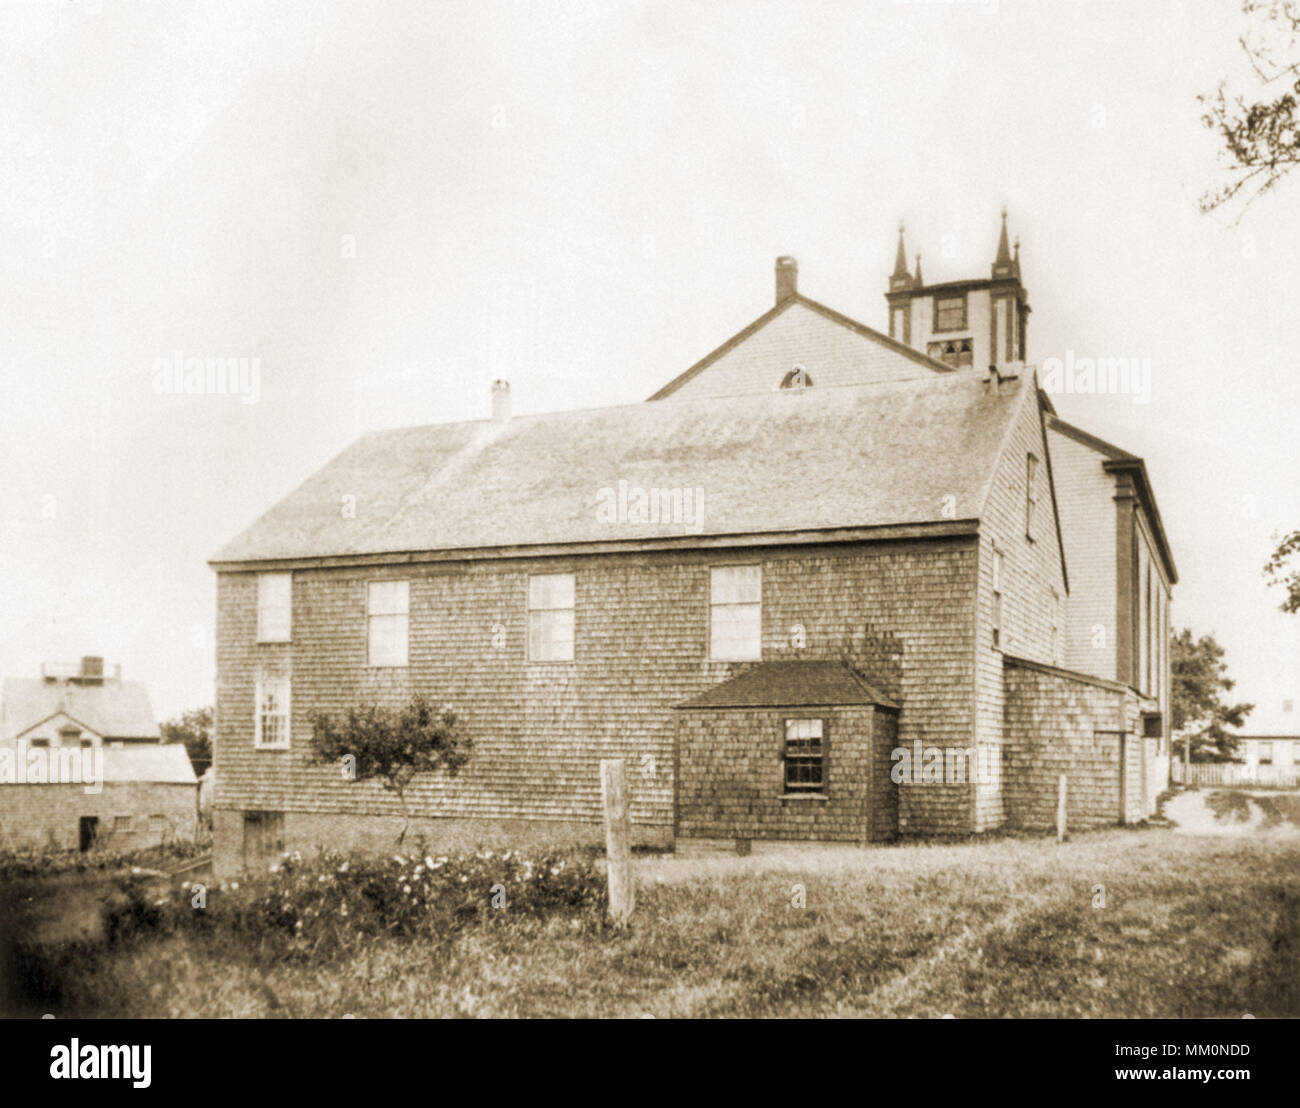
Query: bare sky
390	204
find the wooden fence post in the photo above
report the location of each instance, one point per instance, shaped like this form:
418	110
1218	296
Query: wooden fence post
618	840
1060	810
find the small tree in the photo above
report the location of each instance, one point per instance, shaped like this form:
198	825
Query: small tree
392	745
194	729
1199	711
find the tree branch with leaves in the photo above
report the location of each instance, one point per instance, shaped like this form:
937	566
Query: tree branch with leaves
1200	712
1260	131
392	745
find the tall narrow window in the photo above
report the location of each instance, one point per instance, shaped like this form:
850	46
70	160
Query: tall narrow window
997	597
550	617
274	599
1031	471
388	619
805	756
1266	754
736	613
271	719
1056	629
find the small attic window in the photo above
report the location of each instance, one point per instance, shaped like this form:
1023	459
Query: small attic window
797	378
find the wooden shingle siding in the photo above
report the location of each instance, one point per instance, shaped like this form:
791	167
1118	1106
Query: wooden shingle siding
901	610
1087	501
1031	574
730	783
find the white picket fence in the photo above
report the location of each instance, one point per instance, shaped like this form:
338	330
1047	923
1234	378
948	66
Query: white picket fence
1229	774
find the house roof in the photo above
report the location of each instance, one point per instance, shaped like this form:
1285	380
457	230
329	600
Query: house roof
793	684
900	452
909	352
113	710
1118	460
159	763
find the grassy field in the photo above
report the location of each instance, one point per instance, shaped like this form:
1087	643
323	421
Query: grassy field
1119	923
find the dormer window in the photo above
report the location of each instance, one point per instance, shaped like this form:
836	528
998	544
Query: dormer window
797	378
950	313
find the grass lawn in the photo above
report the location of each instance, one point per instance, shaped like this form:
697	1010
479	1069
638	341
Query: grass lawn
1191	926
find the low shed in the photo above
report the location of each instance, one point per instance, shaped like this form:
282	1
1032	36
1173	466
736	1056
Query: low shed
788	750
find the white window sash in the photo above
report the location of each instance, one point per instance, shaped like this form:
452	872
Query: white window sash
277	691
388	623
274	607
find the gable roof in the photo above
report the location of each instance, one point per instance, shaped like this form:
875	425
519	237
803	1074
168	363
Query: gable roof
1121	461
113	710
923	360
792	684
160	763
877	455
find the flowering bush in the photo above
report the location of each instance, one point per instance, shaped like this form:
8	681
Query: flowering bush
322	904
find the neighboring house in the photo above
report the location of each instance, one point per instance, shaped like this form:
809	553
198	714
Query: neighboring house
81	764
1270	759
818	546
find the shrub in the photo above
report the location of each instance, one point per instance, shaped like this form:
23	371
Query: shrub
50	861
322	905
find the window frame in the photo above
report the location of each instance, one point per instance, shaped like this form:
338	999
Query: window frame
372	616
259	690
122	825
965	313
714	605
540	612
1031	501
262	607
999	567
822	789
1265	754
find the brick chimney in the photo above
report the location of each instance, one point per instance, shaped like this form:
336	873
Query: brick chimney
500	401
787	278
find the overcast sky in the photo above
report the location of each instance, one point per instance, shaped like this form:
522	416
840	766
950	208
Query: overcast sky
390	204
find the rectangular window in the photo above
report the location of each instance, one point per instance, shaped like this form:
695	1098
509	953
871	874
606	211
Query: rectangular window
40	744
271	720
1265	754
550	617
121	824
997	597
950	313
1031	471
274	596
388	622
157	824
736	613
805	756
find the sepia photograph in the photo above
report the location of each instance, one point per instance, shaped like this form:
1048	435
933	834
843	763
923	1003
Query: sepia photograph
556	509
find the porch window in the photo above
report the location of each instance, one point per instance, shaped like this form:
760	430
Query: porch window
736	613
271	721
550	617
388	617
805	756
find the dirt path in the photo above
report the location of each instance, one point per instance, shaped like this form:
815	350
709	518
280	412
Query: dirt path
1235	812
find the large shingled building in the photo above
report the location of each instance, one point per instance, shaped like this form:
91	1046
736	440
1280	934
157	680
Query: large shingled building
817	547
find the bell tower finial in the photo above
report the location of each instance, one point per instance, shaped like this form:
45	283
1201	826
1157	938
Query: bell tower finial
900	280
919	281
1003	266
